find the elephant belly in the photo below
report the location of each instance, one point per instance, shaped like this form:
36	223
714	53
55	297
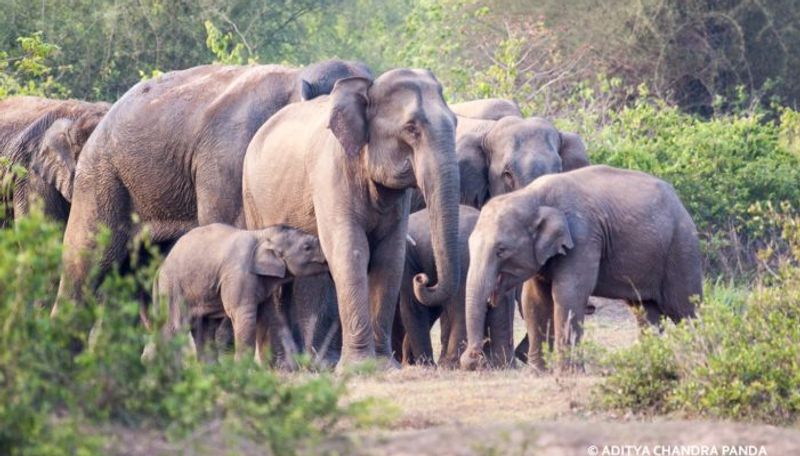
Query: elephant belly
628	283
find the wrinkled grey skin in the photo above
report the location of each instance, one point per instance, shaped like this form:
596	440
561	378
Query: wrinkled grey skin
595	231
45	137
218	270
171	150
497	157
349	159
489	109
411	337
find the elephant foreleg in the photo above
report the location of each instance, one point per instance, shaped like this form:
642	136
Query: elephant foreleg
537	310
500	332
345	245
572	285
385	271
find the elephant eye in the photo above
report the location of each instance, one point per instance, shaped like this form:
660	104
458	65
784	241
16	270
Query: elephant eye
501	250
307	247
411	129
508	178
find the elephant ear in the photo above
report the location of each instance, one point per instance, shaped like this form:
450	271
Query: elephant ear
573	152
348	119
54	161
267	263
306	90
473	167
551	235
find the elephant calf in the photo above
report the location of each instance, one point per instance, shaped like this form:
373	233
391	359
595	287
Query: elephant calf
417	318
218	271
595	231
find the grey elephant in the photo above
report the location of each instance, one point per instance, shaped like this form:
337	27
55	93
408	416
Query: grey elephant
595	231
488	108
217	271
349	159
496	157
412	338
45	137
171	151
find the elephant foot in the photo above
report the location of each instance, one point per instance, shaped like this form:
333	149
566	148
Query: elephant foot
472	359
355	362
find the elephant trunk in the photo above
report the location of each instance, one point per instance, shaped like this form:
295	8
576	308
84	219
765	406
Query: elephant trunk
437	175
481	282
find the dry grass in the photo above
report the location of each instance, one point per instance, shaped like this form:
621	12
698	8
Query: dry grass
426	397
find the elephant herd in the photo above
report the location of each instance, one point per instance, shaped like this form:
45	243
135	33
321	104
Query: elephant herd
325	210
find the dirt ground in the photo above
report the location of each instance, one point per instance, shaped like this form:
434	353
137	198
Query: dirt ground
520	413
515	412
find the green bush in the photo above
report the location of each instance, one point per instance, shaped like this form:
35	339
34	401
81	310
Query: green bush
60	381
737	360
727	170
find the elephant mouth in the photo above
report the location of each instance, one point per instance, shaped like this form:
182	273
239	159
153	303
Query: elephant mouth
504	283
500	287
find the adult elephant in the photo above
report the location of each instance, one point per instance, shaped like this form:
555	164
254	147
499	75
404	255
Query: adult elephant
171	150
45	137
488	109
339	167
496	157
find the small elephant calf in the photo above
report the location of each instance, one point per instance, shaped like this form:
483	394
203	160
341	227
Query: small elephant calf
411	337
595	231
218	271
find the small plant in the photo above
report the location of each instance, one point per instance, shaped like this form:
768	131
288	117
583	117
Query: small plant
61	375
737	360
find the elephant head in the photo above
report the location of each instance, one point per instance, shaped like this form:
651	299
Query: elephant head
297	250
55	160
510	244
515	151
403	132
318	79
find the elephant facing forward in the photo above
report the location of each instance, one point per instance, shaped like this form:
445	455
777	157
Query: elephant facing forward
412	337
217	271
595	231
339	167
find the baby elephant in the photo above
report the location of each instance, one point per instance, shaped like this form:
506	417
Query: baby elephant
417	318
595	231
218	271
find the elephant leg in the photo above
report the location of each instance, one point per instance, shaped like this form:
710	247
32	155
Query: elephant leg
454	330
347	251
313	316
241	306
537	310
417	348
97	202
647	314
272	329
204	330
223	335
398	336
385	272
500	332
573	283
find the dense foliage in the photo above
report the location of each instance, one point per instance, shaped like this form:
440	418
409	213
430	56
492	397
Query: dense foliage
62	376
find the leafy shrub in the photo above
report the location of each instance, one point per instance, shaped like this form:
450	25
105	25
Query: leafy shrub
58	379
725	169
737	360
27	71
